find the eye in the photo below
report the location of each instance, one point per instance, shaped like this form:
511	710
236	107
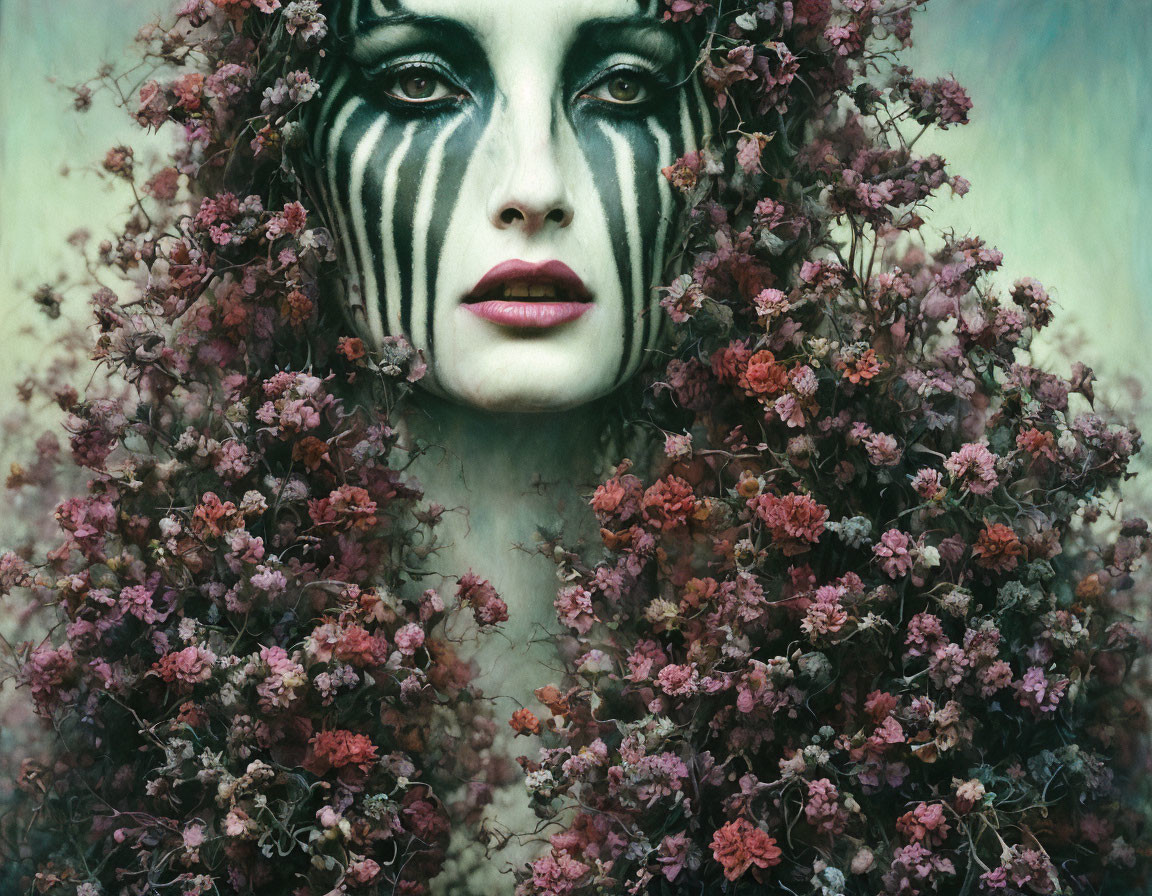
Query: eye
420	83
624	86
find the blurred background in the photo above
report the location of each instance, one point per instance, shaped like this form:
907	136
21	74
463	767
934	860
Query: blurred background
1059	153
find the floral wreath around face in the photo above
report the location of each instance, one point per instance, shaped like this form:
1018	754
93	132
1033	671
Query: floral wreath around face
850	632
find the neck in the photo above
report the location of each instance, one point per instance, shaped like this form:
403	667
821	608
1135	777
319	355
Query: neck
509	481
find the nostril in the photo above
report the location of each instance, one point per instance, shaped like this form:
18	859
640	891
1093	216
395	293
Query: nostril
556	216
510	215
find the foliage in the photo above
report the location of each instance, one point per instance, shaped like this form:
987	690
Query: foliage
853	632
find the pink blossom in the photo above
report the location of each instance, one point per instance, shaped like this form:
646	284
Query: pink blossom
574	607
678	681
1035	691
974	467
409	638
893	551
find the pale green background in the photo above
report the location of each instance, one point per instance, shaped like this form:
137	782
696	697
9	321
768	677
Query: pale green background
1058	153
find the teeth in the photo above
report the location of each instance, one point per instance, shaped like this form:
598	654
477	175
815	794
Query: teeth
522	290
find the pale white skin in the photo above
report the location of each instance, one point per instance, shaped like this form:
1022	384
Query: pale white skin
512	473
527	164
528	193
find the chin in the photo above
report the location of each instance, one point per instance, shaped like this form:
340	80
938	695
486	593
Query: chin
525	390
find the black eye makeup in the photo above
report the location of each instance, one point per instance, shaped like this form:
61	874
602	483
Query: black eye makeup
419	82
625	85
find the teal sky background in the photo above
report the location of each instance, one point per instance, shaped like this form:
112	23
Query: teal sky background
1059	152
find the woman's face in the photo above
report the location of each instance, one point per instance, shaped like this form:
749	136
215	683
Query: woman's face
492	168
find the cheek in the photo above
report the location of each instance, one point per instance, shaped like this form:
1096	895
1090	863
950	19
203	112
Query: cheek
638	206
397	183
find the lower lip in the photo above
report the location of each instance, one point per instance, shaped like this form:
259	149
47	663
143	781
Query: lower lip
528	315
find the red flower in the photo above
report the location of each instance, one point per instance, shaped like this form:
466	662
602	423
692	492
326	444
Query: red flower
737	846
998	548
796	522
763	376
339	749
668	503
524	721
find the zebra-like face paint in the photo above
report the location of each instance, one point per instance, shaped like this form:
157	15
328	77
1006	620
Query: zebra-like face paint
492	170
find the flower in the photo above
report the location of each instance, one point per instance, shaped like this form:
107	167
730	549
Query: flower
893	552
737	846
488	608
668	503
339	749
794	521
574	608
524	721
997	548
409	638
678	681
973	466
1035	691
762	376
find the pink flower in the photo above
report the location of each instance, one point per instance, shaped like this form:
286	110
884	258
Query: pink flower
883	450
925	823
824	615
277	689
683	10
678	681
924	635
557	874
823	808
574	608
974	467
188	666
928	485
488	607
738	845
409	638
895	558
1035	691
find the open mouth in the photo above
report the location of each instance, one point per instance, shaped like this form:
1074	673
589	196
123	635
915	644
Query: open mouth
524	295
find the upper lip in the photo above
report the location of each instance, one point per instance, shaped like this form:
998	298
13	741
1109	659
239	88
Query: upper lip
566	282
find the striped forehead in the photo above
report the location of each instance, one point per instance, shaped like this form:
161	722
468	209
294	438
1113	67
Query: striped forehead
484	15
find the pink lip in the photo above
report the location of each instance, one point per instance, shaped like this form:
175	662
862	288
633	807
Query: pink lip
554	273
528	315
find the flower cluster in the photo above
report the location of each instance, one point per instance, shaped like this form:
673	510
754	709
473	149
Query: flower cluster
253	691
852	629
853	634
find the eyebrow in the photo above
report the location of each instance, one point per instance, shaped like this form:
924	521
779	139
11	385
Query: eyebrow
381	34
640	33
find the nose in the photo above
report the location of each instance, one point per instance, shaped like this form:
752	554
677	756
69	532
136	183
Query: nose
532	195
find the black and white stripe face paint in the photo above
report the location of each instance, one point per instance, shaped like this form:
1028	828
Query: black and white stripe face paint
455	136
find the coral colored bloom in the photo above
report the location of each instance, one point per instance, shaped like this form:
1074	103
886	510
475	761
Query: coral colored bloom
738	845
668	503
862	367
997	548
795	522
763	376
524	721
338	749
